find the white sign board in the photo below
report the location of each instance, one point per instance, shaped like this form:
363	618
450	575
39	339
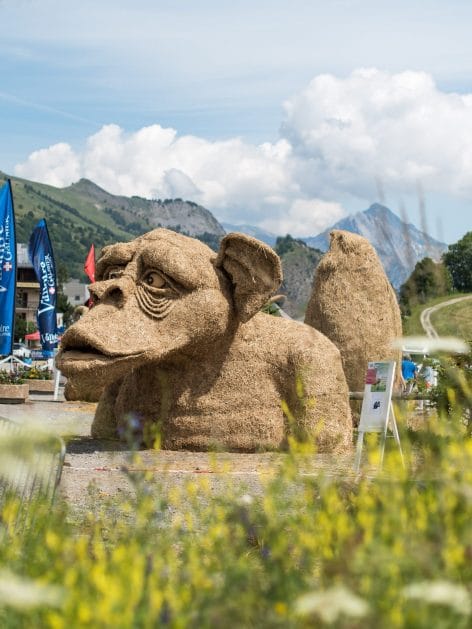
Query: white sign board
377	396
377	409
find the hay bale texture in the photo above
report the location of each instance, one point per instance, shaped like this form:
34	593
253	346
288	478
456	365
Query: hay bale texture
177	342
355	306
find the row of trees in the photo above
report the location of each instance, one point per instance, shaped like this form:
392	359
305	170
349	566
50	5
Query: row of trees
431	279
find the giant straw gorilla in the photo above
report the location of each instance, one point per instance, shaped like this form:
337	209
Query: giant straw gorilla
176	341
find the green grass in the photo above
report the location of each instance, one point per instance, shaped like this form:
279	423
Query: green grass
454	320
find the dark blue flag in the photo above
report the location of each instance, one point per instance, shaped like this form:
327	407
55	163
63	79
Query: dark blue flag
42	258
7	269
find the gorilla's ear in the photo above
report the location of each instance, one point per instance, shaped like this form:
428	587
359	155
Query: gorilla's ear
254	269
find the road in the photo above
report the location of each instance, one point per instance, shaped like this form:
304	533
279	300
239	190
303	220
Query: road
425	317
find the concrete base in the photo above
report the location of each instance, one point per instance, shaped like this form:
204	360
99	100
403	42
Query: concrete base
40	386
13	393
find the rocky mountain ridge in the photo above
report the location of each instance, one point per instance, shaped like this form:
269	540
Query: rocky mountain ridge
252	230
83	213
177	214
399	245
299	262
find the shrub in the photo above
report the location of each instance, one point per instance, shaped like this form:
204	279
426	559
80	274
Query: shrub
453	395
458	260
35	374
11	377
428	280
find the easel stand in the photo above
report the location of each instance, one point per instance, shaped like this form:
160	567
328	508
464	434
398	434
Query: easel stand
377	414
390	423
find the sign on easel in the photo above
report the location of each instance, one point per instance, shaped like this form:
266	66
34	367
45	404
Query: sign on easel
377	413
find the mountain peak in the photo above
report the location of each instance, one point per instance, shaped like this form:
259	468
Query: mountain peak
251	230
85	186
378	208
84	213
399	245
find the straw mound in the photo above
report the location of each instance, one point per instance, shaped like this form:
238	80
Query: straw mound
84	394
234	401
79	311
354	305
177	343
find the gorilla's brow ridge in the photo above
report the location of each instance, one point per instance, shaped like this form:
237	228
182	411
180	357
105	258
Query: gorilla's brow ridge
114	256
164	261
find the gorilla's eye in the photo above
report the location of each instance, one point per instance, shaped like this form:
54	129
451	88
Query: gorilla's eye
113	273
156	293
154	279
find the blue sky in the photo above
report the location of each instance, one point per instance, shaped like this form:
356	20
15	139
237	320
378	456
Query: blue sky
284	114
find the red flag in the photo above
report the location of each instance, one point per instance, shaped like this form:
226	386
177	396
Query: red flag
89	266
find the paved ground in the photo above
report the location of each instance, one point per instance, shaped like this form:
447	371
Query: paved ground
100	462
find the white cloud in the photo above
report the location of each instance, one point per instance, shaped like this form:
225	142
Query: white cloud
398	127
305	216
178	184
54	165
227	176
337	138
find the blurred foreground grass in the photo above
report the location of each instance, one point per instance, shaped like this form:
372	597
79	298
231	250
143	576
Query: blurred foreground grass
383	550
390	548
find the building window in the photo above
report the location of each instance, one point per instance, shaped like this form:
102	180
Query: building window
22	299
77	298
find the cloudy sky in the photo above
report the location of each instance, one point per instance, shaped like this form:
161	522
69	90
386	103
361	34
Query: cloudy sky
285	114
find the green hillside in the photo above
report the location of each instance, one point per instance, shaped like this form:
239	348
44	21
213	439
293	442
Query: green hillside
453	320
299	262
73	222
83	213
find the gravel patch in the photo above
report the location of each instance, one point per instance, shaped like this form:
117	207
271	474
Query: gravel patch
100	463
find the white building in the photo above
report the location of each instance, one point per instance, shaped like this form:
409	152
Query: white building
76	292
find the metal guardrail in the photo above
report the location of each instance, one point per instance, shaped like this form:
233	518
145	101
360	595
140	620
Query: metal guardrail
30	465
359	395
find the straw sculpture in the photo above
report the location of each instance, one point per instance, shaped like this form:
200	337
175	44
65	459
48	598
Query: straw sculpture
79	311
355	306
178	344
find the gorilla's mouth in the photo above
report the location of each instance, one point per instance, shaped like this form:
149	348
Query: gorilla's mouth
78	353
83	351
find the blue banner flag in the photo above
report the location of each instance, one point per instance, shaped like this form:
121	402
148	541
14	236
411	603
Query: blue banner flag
42	258
7	269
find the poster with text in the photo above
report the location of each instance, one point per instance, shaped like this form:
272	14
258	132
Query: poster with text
377	396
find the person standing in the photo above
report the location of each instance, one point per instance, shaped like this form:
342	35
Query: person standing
409	370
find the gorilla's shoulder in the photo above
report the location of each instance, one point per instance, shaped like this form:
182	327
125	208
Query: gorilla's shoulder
291	338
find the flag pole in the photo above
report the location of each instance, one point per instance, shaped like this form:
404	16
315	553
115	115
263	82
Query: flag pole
16	264
8	270
42	257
